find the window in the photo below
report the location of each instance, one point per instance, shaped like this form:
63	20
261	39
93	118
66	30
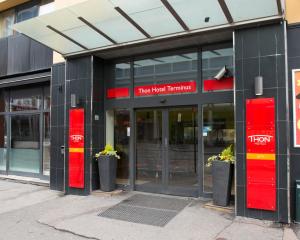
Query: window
25	144
7	19
27	11
3	147
46	143
218	133
25	101
119	81
175	74
212	62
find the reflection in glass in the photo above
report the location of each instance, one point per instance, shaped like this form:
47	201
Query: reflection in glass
218	133
183	144
3	103
25	144
148	147
7	20
46	144
121	141
3	138
47	99
26	103
169	69
214	60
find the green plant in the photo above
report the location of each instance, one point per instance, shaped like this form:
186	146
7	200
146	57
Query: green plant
227	155
108	151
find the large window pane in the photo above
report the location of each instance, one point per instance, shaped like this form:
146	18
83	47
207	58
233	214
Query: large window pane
181	69
218	133
149	148
119	81
25	101
25	144
3	102
7	20
3	139
183	146
27	11
212	63
46	144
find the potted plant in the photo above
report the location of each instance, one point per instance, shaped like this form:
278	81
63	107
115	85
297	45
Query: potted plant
222	172
107	163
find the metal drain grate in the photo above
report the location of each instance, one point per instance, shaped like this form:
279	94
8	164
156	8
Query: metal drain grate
146	209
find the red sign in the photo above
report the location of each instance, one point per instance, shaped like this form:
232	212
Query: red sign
117	93
296	106
261	154
76	148
164	89
217	85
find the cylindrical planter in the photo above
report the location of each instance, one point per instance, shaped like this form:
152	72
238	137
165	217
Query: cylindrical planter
107	172
222	180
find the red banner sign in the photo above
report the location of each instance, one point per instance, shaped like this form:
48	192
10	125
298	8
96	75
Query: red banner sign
296	106
76	148
117	93
260	154
218	85
164	89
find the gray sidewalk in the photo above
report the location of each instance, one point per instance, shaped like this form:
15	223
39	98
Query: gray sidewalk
34	212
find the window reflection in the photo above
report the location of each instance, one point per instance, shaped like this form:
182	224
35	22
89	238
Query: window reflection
212	62
26	103
218	133
7	20
25	143
169	69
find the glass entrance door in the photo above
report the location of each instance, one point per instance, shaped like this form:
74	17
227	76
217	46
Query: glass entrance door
166	151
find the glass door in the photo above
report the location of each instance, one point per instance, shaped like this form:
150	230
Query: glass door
149	150
166	151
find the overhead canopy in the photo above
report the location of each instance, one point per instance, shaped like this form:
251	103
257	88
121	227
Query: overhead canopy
100	24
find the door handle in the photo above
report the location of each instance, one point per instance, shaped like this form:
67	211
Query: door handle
166	141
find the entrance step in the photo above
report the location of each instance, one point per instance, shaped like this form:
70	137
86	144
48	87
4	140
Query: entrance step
210	205
107	194
26	180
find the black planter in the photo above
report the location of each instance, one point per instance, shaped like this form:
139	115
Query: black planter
222	180
107	172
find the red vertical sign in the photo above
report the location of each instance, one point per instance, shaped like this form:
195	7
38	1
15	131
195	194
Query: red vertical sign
296	106
76	148
261	154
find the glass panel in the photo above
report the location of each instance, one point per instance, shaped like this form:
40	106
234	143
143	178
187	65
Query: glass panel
47	6
180	68
251	9
195	12
218	133
25	144
148	147
47	99
121	141
3	147
46	144
157	21
21	101
27	11
183	147
7	20
212	62
118	85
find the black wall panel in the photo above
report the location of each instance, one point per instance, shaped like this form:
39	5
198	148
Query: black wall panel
19	54
260	51
57	163
3	56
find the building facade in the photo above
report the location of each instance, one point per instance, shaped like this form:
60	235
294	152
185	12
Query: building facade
169	84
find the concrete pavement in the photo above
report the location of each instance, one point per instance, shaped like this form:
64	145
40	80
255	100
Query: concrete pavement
35	212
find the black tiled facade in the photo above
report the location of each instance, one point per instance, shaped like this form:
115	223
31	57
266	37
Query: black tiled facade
260	52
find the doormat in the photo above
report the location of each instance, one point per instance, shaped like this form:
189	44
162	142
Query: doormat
147	209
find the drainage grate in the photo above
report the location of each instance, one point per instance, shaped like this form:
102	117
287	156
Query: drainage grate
146	209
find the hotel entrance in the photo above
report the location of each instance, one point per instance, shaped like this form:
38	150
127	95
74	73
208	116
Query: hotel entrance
166	146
